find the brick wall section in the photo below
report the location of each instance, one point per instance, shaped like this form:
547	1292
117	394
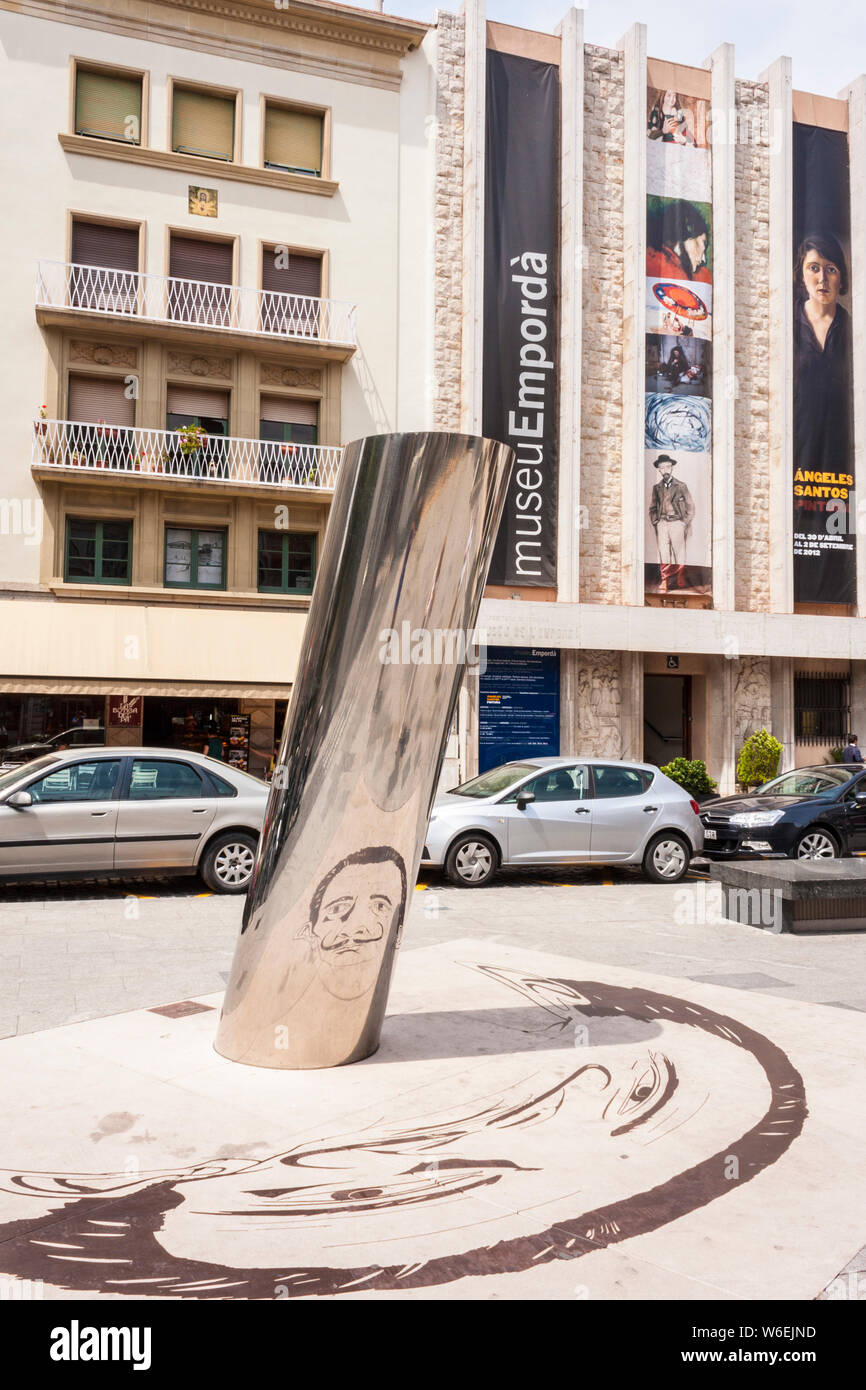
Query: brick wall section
448	226
601	434
752	349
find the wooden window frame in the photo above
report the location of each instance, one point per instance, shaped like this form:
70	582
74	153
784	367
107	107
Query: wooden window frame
77	63
208	89
99	522
285	535
74	215
308	108
193	557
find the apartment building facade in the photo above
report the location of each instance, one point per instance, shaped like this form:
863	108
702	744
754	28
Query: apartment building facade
223	211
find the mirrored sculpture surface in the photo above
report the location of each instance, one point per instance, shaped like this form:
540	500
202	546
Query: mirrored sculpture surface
393	615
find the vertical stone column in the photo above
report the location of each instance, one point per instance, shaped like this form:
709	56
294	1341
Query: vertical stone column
721	754
633	45
782	724
571	74
724	138
857	716
631	711
474	117
781	518
569	707
856	96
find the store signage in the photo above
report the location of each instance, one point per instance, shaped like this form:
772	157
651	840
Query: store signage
124	711
520	378
823	501
518	711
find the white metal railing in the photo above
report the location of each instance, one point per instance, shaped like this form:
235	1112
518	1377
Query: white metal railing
124	450
199	303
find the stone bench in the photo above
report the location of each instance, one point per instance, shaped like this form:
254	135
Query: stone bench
794	895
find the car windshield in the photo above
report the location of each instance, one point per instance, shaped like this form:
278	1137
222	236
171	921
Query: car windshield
808	781
8	779
498	779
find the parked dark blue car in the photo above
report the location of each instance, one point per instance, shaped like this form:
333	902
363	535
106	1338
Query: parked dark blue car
811	813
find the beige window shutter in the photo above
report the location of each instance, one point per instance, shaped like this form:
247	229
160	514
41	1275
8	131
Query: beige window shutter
197	400
95	398
202	124
293	139
288	411
108	106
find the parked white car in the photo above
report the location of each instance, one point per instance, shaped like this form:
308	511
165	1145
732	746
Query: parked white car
122	812
564	811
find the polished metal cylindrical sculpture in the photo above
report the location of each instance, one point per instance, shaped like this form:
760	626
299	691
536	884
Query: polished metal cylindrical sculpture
408	546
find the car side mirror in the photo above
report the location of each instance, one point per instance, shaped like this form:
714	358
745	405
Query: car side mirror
860	798
20	800
523	800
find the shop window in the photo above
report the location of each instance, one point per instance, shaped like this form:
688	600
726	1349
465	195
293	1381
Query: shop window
202	123
108	105
194	559
287	562
294	139
98	552
821	708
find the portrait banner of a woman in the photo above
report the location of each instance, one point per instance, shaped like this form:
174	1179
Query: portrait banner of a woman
824	521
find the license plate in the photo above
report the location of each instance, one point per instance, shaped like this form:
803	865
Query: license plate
710	835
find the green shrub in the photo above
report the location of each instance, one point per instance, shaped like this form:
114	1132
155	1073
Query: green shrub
691	775
834	755
759	759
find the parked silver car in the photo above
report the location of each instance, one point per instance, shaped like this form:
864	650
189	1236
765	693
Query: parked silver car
102	812
564	811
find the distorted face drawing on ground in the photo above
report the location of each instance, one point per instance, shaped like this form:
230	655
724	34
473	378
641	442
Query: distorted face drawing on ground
627	1110
353	910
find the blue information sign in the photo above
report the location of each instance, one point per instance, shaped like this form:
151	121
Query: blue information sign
518	714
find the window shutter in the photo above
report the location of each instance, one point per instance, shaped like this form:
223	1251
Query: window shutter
108	106
115	248
202	124
93	398
196	400
192	259
293	140
287	411
303	274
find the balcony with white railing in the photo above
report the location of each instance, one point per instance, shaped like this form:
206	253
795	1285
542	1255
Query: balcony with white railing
143	456
325	327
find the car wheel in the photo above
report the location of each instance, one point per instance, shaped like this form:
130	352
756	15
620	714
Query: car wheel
471	861
816	844
228	862
667	858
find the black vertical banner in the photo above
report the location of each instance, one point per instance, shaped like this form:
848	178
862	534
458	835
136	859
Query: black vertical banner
521	307
824	520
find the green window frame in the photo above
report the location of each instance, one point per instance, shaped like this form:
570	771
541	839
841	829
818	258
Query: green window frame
280	552
98	546
195	533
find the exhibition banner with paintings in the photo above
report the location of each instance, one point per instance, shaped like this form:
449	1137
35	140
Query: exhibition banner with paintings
679	330
824	516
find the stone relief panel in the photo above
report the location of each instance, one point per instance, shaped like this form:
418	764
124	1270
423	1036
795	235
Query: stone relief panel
752	707
599	704
195	364
272	374
103	354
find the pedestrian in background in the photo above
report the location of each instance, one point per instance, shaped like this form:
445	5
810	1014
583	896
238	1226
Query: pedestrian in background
851	753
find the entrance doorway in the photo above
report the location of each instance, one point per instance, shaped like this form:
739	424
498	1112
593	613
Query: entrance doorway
667	720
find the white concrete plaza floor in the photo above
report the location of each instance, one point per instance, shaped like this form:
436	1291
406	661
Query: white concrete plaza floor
587	1088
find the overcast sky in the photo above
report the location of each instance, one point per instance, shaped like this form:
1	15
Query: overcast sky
825	38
